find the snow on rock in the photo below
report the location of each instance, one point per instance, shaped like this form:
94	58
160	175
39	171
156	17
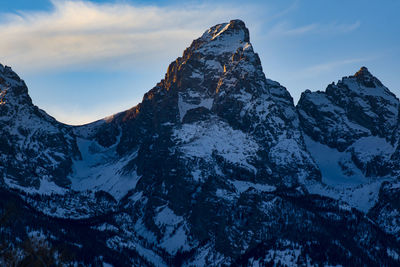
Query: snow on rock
185	106
393	254
106	227
357	106
167	217
242	186
341	178
46	187
350	131
176	240
203	139
362	197
101	169
35	148
386	212
368	148
336	167
225	38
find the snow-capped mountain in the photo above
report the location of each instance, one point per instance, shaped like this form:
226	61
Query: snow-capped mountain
358	116
351	130
216	166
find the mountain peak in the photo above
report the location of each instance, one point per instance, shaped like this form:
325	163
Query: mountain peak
217	53
233	28
363	72
224	38
365	78
13	90
8	77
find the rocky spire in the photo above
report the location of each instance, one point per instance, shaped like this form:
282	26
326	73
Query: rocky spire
363	72
14	89
364	77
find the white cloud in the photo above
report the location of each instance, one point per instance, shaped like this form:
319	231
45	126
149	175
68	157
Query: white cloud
79	33
285	29
293	6
327	67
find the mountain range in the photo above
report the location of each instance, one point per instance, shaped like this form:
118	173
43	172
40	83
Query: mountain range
216	166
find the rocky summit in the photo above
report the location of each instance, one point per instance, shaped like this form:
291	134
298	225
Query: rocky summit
215	167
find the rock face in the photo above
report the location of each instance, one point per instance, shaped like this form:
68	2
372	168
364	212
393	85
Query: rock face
35	150
213	167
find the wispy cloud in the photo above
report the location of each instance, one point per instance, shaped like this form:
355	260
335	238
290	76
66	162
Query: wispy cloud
285	29
82	32
293	6
318	69
344	28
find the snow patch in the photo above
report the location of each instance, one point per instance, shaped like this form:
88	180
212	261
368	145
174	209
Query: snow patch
202	139
242	186
175	237
177	241
167	217
328	159
350	186
100	169
184	107
367	148
393	254
46	187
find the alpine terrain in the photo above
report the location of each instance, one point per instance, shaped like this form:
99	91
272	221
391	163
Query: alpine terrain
216	166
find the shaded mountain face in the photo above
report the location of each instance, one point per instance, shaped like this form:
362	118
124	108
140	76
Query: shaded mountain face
215	166
357	116
352	131
387	210
36	150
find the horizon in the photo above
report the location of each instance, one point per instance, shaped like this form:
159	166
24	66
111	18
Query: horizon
51	47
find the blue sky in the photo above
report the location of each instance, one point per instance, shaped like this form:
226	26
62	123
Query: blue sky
84	60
